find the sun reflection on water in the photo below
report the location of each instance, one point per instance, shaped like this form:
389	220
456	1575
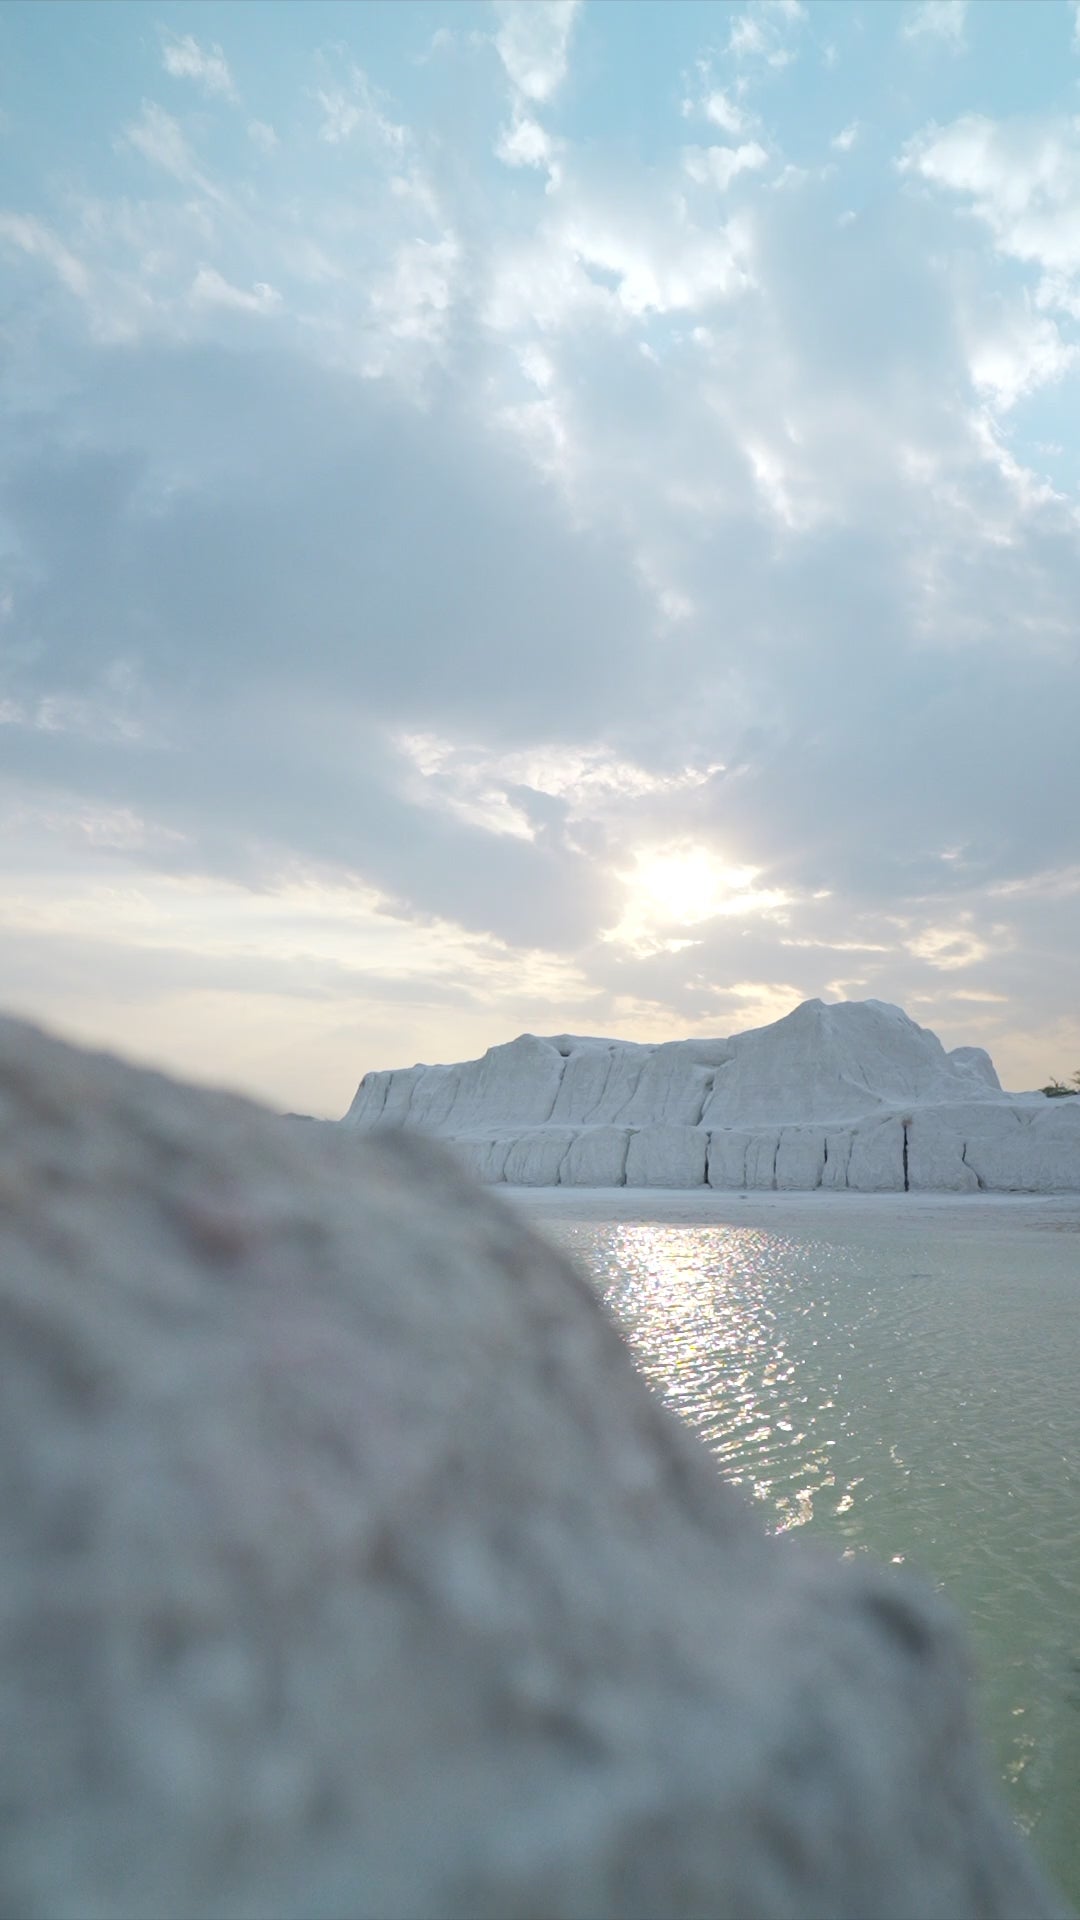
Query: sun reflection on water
710	1315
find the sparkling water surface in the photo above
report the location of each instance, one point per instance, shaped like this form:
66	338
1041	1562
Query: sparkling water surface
908	1387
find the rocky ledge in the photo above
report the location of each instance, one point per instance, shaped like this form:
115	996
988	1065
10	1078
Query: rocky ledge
854	1096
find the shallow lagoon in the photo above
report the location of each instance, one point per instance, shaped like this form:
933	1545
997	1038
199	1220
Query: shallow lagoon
897	1375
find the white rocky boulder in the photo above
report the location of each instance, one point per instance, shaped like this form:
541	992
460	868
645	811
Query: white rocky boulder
351	1572
976	1060
855	1096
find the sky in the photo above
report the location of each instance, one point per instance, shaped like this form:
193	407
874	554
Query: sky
537	517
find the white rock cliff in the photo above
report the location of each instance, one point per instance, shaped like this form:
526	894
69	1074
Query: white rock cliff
351	1572
852	1096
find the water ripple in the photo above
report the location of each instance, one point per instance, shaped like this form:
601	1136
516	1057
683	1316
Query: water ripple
907	1393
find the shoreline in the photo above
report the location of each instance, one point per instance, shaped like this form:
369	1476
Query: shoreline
699	1206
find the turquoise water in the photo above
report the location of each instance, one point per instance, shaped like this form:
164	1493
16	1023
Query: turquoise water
913	1393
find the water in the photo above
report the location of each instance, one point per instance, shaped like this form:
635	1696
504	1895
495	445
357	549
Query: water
905	1385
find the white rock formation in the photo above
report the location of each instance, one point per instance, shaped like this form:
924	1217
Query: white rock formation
351	1572
848	1096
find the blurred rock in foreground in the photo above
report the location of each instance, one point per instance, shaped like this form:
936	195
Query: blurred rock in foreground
347	1568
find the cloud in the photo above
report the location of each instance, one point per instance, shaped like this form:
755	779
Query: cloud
718	166
762	32
602	261
157	136
533	43
525	791
212	289
351	105
1020	353
160	139
550	566
184	59
225	583
415	296
724	112
36	240
524	144
943	20
845	140
1021	179
263	135
950	947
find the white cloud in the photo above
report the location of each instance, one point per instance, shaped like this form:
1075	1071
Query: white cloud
481	784
544	283
747	37
761	32
950	947
603	262
415	191
414	298
724	112
157	136
209	288
533	43
695	268
118	298
160	140
1022	178
1024	352
718	166
184	59
341	116
442	39
170	960
845	140
943	20
585	777
525	143
32	237
537	367
1061	883
541	430
352	105
262	135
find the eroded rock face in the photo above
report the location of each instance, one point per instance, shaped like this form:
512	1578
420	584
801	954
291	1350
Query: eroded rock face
853	1096
350	1570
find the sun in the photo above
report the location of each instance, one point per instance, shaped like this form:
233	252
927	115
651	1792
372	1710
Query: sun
685	885
675	887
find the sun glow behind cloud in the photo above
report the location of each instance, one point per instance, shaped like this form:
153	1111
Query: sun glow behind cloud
683	887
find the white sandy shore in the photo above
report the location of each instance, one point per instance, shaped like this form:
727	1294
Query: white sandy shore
832	1212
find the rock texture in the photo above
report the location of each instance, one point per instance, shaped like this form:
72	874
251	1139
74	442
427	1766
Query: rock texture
848	1096
348	1570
